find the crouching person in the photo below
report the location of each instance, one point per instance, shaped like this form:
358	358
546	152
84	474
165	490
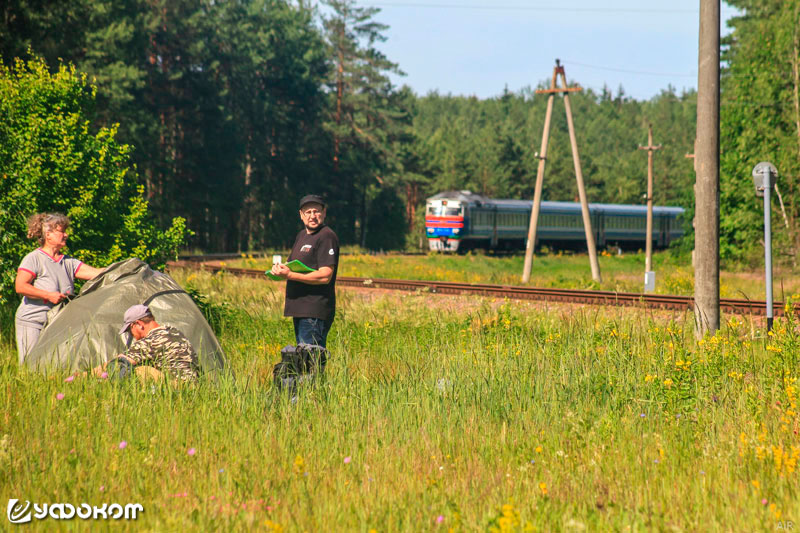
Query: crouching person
157	352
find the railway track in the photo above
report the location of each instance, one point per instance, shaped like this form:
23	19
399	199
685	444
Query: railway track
233	255
658	301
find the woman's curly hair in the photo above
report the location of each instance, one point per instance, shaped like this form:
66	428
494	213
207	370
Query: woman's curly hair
40	223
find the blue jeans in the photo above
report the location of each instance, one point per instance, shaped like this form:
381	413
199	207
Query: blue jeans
312	330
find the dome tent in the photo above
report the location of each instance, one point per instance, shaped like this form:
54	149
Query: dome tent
84	333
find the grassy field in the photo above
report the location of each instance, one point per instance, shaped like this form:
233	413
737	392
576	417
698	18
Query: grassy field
623	273
436	414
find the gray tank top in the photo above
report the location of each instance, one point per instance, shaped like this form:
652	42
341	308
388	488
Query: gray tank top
50	274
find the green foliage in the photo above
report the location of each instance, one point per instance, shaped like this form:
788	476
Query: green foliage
214	313
236	109
366	120
386	222
760	121
52	161
221	101
490	146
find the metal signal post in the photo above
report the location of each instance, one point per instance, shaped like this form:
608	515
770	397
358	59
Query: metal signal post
764	175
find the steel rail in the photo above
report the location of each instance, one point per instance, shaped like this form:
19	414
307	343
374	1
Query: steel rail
232	256
646	300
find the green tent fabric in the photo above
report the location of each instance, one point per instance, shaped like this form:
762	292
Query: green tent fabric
84	333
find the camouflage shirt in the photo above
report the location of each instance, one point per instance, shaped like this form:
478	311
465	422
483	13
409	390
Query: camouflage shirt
168	350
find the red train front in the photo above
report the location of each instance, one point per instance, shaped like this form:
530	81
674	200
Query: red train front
444	224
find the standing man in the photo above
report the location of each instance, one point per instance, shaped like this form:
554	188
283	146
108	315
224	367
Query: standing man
311	296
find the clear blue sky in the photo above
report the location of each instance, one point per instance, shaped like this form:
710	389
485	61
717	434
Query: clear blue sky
477	47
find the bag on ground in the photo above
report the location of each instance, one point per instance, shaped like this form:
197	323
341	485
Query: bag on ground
299	364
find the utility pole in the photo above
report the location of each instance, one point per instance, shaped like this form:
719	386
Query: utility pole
649	275
587	221
537	192
706	270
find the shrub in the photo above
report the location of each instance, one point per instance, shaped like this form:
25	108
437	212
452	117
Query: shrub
51	160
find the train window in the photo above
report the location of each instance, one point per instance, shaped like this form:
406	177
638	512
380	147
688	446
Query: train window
442	211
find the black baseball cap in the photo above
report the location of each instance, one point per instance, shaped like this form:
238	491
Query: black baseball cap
312	198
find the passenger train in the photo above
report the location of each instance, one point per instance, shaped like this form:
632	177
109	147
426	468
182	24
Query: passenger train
462	220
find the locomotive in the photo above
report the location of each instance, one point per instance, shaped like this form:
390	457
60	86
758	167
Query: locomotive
462	220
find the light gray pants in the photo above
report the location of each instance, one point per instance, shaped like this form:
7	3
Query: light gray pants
27	336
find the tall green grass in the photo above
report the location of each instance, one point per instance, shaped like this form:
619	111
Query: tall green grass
435	413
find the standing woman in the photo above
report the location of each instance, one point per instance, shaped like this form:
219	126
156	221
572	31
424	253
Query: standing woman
45	277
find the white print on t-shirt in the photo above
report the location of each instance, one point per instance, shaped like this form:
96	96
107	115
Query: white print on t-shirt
330	252
305	248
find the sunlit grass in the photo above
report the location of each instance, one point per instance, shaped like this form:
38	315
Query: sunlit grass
435	413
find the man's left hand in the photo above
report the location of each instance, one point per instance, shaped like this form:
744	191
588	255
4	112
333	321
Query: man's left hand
280	270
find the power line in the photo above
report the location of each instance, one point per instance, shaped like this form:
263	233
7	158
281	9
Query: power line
626	71
532	8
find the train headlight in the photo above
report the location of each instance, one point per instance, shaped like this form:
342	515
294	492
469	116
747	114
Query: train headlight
456	231
430	230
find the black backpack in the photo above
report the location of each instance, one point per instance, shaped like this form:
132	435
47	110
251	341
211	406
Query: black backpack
299	364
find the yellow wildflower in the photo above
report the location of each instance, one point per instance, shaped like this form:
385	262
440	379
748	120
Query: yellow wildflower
543	488
299	465
274	527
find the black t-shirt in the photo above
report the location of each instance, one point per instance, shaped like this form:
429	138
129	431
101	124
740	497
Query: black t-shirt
317	250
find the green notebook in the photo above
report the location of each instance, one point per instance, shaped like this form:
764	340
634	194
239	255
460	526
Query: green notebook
294	266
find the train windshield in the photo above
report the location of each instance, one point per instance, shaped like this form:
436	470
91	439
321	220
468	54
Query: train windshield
444	211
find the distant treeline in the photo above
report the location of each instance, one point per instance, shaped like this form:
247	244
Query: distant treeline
235	109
